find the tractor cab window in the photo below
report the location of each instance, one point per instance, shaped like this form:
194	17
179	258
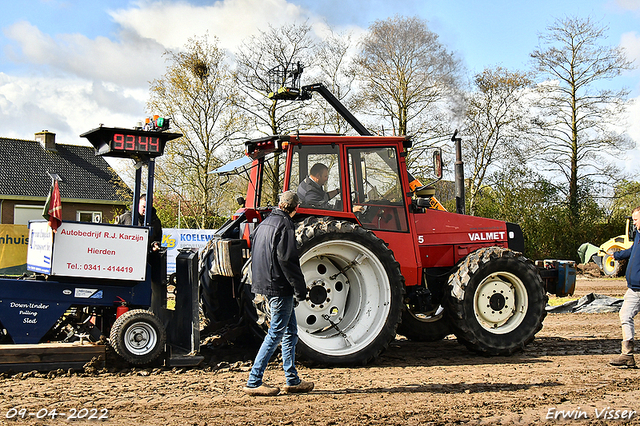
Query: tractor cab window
376	189
315	175
272	179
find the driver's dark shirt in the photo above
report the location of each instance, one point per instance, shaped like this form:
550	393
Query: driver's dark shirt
312	195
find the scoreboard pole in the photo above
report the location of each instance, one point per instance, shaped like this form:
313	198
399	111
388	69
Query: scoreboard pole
151	168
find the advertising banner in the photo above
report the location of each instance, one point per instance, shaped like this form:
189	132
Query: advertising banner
40	247
93	250
14	240
175	239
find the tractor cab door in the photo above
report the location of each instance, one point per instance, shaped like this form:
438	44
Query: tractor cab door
380	204
376	188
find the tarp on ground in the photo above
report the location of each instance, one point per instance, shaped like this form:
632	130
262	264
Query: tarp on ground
590	304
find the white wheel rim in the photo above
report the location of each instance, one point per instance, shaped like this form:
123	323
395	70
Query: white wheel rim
500	302
344	312
140	338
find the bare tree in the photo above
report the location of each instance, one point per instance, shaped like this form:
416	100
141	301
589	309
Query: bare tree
278	47
284	47
337	72
409	78
196	93
496	121
579	120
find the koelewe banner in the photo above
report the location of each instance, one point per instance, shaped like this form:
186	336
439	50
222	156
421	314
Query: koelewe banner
14	240
175	239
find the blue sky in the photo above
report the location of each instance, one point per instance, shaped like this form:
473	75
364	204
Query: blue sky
68	65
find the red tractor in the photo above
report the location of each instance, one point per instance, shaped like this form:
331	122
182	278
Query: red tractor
378	259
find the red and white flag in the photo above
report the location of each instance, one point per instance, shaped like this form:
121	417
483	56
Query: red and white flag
53	208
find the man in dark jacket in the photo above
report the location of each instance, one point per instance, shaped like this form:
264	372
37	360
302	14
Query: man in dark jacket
310	189
631	304
276	274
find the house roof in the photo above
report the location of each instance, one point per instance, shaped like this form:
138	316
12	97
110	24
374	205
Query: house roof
24	165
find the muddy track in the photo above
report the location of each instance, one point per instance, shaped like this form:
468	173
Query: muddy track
563	373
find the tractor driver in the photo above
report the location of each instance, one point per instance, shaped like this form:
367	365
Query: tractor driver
310	189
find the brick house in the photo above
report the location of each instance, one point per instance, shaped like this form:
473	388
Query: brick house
90	189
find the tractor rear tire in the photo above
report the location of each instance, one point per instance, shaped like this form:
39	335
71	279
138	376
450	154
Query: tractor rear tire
138	336
216	292
255	307
349	317
497	302
425	328
355	291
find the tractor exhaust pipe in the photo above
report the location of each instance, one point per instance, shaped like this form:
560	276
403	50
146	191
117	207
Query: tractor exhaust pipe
459	169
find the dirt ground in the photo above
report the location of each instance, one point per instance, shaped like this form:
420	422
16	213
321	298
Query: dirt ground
563	373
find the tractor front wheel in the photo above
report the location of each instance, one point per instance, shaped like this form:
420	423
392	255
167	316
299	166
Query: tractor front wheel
497	302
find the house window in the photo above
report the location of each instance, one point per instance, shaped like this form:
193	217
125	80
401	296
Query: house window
88	216
22	214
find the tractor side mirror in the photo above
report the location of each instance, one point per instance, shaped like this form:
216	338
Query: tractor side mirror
427	191
437	163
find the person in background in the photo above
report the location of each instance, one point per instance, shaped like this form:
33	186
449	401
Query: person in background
631	304
155	237
276	274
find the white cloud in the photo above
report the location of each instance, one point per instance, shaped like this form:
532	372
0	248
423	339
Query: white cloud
71	83
628	4
128	62
172	24
97	71
65	106
631	42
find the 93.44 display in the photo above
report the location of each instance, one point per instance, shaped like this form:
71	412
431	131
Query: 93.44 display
150	144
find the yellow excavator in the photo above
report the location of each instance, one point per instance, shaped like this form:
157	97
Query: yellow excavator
602	256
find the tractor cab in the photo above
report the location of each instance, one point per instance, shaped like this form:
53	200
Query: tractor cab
362	180
367	187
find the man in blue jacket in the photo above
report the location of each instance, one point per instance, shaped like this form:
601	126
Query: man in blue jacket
631	304
276	274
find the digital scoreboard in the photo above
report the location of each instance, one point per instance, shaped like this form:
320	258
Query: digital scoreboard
128	143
